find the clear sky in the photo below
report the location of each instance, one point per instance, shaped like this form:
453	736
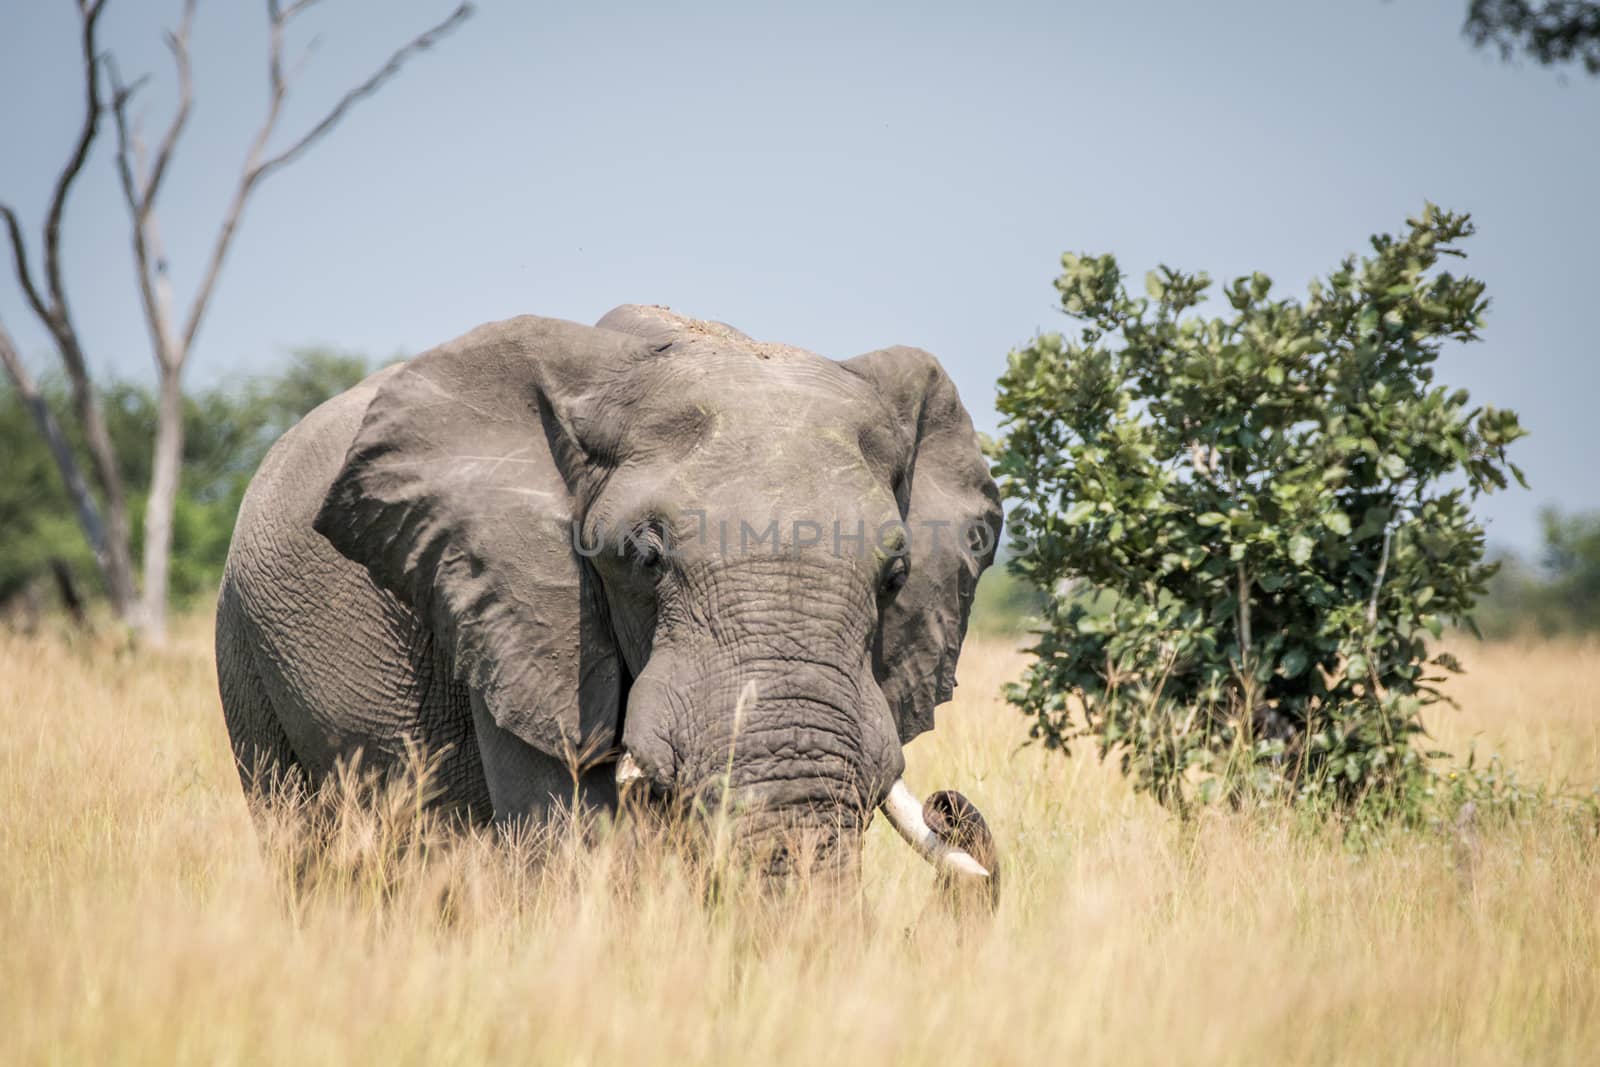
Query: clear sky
837	176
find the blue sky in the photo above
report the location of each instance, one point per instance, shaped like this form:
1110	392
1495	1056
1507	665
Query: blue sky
835	177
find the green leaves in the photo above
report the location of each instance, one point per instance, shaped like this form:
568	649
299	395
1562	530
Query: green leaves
1254	504
1294	663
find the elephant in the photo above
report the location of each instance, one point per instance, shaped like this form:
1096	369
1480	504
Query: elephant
651	555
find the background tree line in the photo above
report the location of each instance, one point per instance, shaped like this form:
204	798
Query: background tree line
226	433
1554	590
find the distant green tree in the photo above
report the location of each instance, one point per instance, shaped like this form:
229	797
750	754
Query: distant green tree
226	433
1553	32
1005	604
1557	594
1514	601
1572	561
37	524
1260	499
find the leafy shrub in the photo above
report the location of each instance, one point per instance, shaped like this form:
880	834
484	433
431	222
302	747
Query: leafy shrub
1273	507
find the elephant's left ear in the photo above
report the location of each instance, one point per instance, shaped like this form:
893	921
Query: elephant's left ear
458	496
952	510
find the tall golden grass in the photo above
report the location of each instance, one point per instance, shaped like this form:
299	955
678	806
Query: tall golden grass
142	921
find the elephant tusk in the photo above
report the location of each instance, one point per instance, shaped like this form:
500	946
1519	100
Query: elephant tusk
628	770
904	812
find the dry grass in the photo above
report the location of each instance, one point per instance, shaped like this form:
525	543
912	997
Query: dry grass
139	921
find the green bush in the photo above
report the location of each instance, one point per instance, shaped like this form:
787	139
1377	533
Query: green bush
1273	506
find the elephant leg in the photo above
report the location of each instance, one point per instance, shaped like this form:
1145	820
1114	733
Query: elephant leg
262	753
528	785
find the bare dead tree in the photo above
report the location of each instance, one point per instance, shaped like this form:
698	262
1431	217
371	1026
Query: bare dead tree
107	530
141	175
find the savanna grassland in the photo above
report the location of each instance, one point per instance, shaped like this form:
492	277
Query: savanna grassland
141	920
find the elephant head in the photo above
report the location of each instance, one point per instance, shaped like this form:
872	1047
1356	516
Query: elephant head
739	566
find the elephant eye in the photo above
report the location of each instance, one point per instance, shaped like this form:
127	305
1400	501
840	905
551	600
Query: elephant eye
647	544
895	574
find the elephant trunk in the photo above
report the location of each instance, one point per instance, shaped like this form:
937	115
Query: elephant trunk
798	751
818	841
945	832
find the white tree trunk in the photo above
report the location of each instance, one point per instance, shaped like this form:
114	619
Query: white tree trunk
165	474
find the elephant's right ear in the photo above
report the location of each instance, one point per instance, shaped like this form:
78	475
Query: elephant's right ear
457	495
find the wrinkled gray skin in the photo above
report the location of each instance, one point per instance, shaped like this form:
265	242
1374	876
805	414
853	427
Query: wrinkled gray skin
404	566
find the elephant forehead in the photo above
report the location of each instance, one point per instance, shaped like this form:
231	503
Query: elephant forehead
790	449
737	479
790	388
783	463
802	421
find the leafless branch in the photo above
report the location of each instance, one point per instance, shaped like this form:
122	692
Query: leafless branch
19	257
120	95
15	370
420	43
90	15
141	185
257	167
141	190
53	312
178	44
305	57
291	11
